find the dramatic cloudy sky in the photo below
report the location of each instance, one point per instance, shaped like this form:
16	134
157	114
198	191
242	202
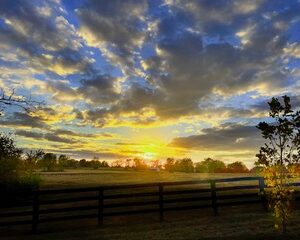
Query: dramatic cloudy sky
151	79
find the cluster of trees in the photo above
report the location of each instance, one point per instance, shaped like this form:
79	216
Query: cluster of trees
50	162
136	164
16	164
209	165
16	168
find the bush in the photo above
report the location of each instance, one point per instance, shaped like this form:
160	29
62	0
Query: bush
10	159
18	190
15	181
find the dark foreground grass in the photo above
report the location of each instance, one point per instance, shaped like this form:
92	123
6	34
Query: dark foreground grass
232	223
244	222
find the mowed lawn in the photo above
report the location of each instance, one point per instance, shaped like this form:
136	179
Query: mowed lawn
89	177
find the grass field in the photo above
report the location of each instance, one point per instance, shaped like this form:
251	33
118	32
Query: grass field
243	222
83	177
238	223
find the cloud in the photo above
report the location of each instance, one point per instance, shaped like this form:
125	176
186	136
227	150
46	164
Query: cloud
81	135
24	120
99	90
46	136
41	41
148	64
54	114
84	153
116	28
226	137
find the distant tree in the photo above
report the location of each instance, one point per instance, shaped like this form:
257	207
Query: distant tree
169	164
118	163
280	152
237	167
10	159
63	161
258	169
95	164
72	163
201	167
139	164
155	164
128	163
48	162
210	165
104	164
31	159
184	165
82	163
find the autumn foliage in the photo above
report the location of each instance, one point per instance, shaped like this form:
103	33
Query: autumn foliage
280	157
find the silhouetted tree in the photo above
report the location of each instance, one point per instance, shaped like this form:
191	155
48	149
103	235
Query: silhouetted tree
169	164
184	165
72	163
63	161
31	159
83	163
10	159
104	164
280	152
210	165
139	164
117	164
95	164
48	162
128	163
237	167
155	164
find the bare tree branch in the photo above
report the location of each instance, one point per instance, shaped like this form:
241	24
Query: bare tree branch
12	99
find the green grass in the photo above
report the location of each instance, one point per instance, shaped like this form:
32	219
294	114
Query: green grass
83	177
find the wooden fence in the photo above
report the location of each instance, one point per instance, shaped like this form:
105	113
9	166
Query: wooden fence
98	202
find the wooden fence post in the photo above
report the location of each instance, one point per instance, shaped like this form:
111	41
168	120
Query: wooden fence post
100	206
35	211
262	192
214	197
161	202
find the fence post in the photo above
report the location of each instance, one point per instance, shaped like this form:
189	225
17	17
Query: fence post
214	197
262	192
100	206
161	202
35	211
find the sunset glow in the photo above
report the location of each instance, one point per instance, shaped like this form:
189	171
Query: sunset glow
147	79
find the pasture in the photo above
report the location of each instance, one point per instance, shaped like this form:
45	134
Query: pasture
235	222
108	176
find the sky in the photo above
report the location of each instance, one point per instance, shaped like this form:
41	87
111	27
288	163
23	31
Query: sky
149	79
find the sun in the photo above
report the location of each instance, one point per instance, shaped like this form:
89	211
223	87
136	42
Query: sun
149	155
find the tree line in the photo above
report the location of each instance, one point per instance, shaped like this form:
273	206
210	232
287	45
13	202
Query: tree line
208	165
13	161
187	165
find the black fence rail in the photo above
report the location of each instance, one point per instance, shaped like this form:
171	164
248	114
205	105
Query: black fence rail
98	202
